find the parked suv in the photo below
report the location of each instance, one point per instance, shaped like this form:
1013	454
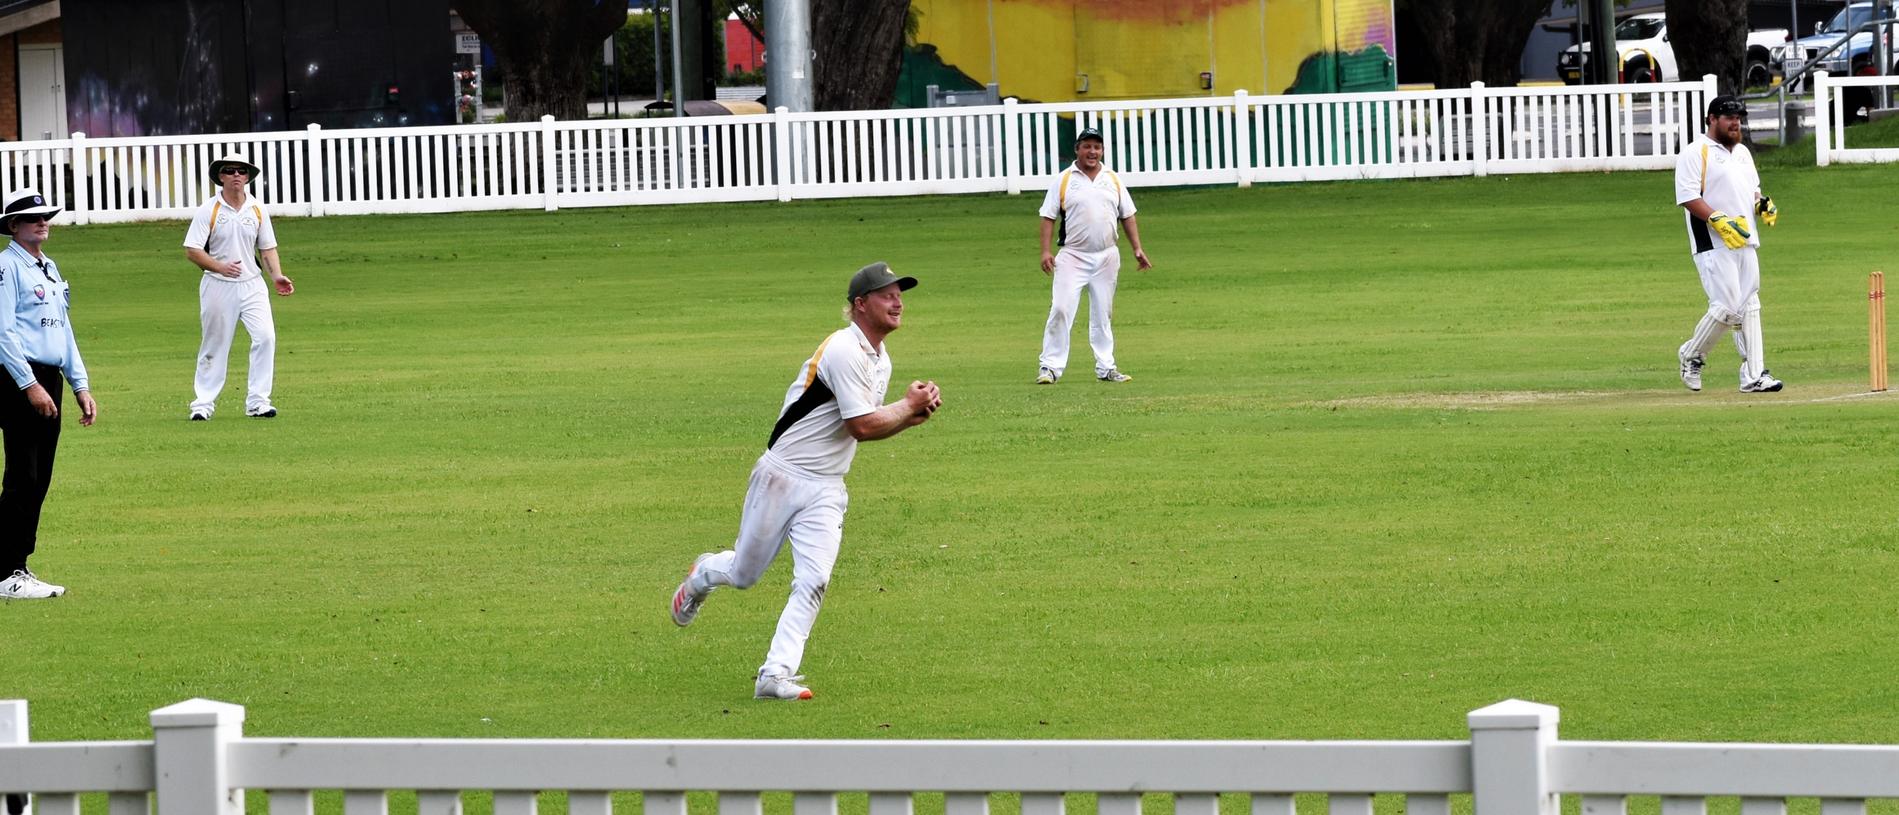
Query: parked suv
1646	56
1856	57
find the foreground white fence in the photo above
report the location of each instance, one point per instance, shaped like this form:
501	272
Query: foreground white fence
199	763
1239	140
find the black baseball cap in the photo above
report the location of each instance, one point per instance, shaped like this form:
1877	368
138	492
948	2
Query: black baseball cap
1089	133
876	276
1727	106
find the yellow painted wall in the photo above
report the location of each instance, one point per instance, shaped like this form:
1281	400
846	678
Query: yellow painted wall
1144	48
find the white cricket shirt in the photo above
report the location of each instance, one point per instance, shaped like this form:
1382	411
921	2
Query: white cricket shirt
1728	182
1087	209
232	233
844	379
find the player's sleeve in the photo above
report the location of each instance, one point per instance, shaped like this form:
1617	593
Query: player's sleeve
1126	205
1052	202
75	367
847	370
200	229
12	354
266	234
1688	175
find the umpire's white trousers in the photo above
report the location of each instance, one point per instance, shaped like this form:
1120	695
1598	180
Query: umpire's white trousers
221	305
786	502
1097	272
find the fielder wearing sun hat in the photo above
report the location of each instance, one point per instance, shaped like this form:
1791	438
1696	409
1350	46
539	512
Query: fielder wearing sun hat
24	201
876	276
251	171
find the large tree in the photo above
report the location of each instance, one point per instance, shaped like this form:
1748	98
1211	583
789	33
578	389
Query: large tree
548	48
1710	37
859	45
1471	40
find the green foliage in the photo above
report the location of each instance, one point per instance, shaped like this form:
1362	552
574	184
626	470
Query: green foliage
1394	451
633	55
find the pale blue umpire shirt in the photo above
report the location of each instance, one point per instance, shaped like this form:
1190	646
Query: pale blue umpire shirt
39	330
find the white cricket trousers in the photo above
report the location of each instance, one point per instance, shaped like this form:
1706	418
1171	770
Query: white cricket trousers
1097	272
786	502
1732	280
221	304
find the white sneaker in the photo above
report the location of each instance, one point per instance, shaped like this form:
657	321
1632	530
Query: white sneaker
1045	377
780	686
1691	371
22	585
1113	375
686	598
201	415
1766	384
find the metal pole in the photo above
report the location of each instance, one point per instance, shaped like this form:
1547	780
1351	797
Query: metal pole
788	80
679	77
659	71
1607	61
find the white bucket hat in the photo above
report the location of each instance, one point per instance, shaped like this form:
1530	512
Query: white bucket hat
238	159
24	201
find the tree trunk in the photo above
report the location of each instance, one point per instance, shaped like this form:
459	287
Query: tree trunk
547	48
1475	40
1710	37
859	52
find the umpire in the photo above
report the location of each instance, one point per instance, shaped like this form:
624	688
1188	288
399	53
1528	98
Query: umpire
39	352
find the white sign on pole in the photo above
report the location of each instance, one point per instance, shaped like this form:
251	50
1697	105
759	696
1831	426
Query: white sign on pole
468	42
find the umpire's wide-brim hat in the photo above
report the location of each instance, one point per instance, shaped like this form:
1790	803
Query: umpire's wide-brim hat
24	201
252	171
876	276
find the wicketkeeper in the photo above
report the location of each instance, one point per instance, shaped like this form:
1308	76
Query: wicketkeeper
1718	187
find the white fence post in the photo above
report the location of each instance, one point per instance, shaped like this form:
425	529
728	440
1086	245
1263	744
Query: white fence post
1011	146
313	146
78	158
13	731
781	150
1822	120
1479	130
1509	758
549	180
190	745
1692	124
1242	139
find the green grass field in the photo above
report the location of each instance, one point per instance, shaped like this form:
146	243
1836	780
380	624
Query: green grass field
1394	451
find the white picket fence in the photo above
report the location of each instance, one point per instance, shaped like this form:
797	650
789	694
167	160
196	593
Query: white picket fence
1829	139
783	156
199	763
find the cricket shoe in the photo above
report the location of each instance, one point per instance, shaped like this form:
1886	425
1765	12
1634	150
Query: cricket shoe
1691	371
1046	377
780	686
1766	384
1113	375
200	416
686	600
265	413
22	585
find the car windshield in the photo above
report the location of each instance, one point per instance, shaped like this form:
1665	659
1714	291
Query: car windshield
1848	19
1639	28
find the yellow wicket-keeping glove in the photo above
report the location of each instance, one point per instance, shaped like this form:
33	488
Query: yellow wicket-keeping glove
1733	231
1768	212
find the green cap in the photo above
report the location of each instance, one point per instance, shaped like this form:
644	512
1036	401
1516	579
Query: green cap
876	276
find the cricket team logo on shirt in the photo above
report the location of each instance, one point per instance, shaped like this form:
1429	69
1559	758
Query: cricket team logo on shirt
40	292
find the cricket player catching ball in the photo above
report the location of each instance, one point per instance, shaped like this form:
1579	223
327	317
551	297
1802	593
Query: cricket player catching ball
1718	187
797	487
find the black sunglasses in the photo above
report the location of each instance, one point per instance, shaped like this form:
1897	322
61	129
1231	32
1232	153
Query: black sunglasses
30	219
233	171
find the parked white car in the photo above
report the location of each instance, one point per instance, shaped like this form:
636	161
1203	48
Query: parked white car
1646	56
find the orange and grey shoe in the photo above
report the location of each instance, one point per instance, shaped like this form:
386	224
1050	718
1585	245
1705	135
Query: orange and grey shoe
780	686
687	598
